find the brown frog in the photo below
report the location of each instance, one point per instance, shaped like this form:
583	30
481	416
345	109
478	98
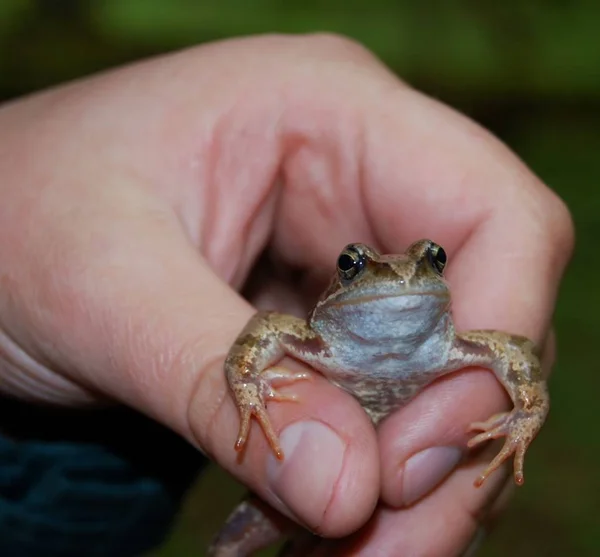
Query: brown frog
381	331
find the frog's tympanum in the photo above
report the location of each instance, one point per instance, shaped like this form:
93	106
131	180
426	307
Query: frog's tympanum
382	331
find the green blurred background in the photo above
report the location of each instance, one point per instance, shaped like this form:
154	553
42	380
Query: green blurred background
528	70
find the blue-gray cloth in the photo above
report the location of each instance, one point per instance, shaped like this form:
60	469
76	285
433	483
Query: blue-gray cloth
96	483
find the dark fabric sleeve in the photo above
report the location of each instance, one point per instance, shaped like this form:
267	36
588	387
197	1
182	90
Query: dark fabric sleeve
88	483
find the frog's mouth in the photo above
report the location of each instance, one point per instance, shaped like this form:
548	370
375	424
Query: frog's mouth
368	298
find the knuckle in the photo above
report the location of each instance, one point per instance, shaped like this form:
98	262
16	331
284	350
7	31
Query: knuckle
338	45
560	222
323	46
205	411
204	390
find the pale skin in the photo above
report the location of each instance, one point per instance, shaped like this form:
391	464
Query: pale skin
135	205
382	331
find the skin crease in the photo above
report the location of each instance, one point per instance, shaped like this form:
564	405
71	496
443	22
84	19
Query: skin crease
136	203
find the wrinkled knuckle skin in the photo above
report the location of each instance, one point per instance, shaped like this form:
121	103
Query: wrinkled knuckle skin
561	222
339	44
324	45
207	399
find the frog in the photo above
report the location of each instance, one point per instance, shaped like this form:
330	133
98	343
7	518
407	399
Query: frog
382	331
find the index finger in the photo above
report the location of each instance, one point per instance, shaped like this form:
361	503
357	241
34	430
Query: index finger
508	236
401	166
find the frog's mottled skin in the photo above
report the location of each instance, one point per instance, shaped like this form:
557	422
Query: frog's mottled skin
382	331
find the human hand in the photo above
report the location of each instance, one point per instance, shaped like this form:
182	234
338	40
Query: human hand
135	203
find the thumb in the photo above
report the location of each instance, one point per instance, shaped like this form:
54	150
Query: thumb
119	302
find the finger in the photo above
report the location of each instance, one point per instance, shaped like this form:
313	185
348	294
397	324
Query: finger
149	324
107	295
440	525
407	167
423	443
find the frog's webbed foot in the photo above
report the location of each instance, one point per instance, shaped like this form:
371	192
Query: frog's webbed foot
251	395
519	427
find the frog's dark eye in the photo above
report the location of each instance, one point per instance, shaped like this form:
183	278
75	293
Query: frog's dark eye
350	263
437	258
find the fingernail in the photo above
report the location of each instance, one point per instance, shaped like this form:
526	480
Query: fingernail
314	455
423	471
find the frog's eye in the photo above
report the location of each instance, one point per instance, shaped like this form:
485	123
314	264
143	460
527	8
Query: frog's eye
437	258
350	263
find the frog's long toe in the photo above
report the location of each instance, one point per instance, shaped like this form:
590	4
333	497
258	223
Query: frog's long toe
508	449
490	423
281	375
263	419
254	406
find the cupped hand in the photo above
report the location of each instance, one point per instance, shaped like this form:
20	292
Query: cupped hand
136	204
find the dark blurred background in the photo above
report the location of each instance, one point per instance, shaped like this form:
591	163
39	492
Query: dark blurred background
528	70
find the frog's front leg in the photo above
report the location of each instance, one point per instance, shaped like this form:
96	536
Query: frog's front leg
516	364
265	340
